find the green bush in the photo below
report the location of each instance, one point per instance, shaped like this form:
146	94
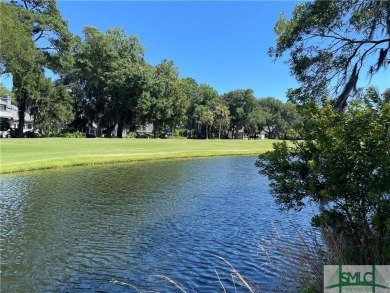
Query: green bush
343	166
181	133
131	135
32	134
71	133
76	134
144	135
13	133
4	125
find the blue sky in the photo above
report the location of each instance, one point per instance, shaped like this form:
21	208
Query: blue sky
221	43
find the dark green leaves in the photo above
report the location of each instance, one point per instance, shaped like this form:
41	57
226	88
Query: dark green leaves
333	43
343	165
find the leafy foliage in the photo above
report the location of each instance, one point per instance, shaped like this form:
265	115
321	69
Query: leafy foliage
343	165
4	91
165	103
4	125
104	80
52	106
241	103
332	44
35	38
75	134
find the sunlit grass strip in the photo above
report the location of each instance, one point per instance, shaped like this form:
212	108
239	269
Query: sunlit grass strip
33	154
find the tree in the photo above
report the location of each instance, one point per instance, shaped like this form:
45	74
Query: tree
204	99
330	44
291	121
18	57
127	86
17	47
4	91
205	115
170	95
241	103
127	81
166	103
53	107
191	89
386	95
204	105
94	62
180	103
274	115
221	115
343	165
35	38
257	119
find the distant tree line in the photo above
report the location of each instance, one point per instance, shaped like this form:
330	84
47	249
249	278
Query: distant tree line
103	78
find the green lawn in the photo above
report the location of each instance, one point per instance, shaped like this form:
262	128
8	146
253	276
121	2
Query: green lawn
32	154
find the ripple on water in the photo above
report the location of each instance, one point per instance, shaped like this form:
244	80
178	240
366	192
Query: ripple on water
116	228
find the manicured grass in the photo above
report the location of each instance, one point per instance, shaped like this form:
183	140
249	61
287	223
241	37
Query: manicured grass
32	154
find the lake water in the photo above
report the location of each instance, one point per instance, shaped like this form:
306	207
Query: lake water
119	228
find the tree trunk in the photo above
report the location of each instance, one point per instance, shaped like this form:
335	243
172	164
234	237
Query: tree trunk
219	131
121	122
173	130
110	128
98	129
236	133
119	131
207	135
21	112
133	127
154	130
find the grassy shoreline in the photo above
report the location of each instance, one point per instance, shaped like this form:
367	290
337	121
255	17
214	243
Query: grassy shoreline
18	155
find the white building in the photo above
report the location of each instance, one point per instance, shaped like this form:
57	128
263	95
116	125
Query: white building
9	113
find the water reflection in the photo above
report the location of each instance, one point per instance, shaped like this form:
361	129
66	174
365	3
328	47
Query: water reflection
75	230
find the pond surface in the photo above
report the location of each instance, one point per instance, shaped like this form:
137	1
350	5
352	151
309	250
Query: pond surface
119	228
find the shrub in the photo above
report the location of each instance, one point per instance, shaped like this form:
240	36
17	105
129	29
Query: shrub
32	134
13	133
144	135
181	133
342	165
131	135
76	134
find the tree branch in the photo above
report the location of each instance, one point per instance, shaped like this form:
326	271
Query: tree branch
40	35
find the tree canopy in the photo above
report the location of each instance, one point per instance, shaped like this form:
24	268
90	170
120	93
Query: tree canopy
103	81
241	103
34	38
332	44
